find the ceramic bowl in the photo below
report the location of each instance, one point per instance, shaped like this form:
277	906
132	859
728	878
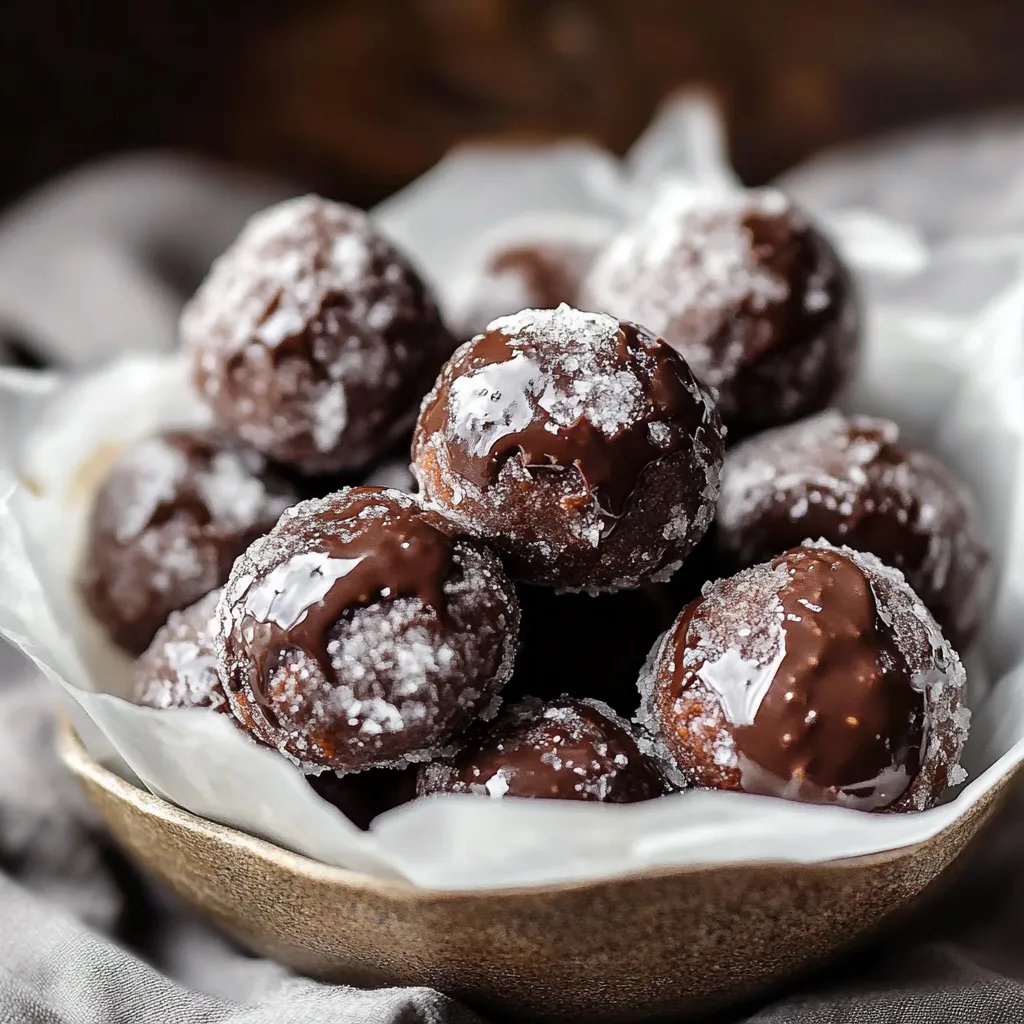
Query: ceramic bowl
679	941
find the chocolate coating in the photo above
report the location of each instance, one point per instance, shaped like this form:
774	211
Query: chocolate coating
172	515
179	669
850	481
583	448
566	749
745	288
530	263
817	677
313	339
359	633
363	796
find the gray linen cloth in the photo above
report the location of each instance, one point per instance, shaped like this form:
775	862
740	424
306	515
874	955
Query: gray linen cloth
97	263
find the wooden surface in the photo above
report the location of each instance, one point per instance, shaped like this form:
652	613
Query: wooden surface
358	96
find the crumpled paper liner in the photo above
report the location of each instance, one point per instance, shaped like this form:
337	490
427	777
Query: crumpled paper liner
944	358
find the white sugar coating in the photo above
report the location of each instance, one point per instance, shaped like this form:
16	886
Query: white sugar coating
745	643
180	668
173	555
153	473
579	379
396	668
277	274
853	467
685	268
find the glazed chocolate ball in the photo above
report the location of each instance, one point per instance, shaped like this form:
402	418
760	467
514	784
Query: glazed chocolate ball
850	481
747	290
818	676
363	796
528	264
580	446
566	749
360	633
313	339
170	518
179	669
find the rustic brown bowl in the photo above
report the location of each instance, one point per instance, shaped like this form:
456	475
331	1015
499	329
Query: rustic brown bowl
678	941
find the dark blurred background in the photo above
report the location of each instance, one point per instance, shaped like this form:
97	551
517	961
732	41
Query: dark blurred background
356	97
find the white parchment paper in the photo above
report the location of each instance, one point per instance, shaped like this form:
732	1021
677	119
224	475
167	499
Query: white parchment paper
944	357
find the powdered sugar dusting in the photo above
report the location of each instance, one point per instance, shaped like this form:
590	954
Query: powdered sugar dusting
685	267
229	482
150	474
828	454
180	668
581	381
287	260
312	337
173	513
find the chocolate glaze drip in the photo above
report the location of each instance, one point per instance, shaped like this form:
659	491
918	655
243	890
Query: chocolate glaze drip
400	553
512	375
841	715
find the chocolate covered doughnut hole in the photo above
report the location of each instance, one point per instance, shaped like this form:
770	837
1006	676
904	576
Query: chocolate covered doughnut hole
565	749
313	339
179	668
169	519
580	446
746	289
361	633
819	677
530	263
849	480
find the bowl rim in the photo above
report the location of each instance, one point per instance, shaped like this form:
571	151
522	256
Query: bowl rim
74	755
